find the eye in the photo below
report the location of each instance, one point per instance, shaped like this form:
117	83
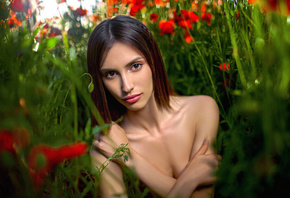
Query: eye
110	74
136	67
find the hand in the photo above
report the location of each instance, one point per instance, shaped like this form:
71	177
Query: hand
201	167
107	144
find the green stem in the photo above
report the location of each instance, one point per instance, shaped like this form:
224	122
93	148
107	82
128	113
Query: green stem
235	48
75	110
212	84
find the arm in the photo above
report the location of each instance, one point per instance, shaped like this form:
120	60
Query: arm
111	178
206	128
197	172
164	185
148	173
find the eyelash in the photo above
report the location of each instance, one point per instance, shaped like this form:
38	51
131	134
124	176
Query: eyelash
131	68
139	66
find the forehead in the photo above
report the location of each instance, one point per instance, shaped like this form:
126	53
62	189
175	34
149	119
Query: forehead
121	54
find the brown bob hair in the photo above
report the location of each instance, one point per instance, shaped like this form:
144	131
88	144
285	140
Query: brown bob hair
127	30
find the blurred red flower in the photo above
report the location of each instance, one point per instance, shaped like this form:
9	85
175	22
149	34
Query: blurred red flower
273	4
187	37
166	27
224	66
20	5
54	32
43	158
13	20
17	6
186	18
153	17
205	16
238	14
252	1
161	3
226	83
11	139
135	8
80	12
6	142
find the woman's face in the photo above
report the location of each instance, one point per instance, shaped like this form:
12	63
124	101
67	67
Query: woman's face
127	76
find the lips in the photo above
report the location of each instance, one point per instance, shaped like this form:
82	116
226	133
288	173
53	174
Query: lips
132	98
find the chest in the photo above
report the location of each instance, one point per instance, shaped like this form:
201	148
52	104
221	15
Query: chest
169	150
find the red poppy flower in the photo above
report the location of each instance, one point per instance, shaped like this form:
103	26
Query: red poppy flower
166	27
273	4
10	139
54	32
20	5
224	66
226	83
185	24
135	8
153	17
252	2
187	37
6	142
136	1
186	18
43	158
186	15
17	6
203	8
63	1
13	20
206	17
80	12
237	15
161	3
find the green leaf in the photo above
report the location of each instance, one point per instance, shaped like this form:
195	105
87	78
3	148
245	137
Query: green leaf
51	42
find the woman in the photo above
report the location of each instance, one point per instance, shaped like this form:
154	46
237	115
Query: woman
169	136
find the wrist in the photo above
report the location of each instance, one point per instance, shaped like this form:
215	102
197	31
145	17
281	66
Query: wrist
130	162
184	187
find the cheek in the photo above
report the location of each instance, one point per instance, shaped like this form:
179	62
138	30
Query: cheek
111	86
147	79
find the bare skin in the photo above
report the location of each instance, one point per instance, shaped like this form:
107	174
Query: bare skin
170	149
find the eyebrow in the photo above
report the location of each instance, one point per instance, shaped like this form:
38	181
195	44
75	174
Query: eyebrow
128	64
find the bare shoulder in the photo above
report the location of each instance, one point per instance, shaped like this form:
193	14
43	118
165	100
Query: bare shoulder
200	103
202	115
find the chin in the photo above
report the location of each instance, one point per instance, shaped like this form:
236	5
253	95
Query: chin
135	107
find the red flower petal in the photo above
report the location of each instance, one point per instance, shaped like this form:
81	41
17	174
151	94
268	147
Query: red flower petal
166	27
224	66
153	17
52	157
6	142
17	6
9	137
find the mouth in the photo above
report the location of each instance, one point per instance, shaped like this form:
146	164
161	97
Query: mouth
132	98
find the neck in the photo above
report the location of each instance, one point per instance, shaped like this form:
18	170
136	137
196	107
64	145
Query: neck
149	118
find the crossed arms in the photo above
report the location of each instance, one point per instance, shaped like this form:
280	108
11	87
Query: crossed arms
197	173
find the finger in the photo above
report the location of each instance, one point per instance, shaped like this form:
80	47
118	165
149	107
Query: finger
117	126
98	136
203	148
96	143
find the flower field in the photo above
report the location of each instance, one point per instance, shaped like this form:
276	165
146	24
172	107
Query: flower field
237	51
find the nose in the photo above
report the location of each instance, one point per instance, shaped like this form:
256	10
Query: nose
127	84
